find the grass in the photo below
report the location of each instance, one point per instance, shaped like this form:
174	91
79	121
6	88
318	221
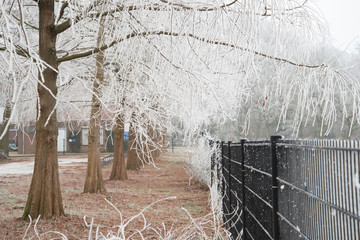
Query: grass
143	188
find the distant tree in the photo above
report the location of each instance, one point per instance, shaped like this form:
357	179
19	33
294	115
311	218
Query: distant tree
133	161
4	142
118	171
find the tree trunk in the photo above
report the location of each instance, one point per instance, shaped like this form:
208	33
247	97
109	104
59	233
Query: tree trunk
158	143
163	141
118	171
4	143
94	181
133	162
155	146
44	195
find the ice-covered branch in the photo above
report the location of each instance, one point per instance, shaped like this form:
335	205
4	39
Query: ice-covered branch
201	9
174	34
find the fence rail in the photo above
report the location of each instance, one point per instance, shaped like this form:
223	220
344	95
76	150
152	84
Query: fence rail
106	160
290	189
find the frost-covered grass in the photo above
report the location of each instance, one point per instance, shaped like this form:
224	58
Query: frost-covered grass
199	169
209	226
199	166
206	227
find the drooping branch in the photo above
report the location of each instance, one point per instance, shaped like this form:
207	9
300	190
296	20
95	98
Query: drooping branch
19	51
203	9
267	14
68	23
287	9
174	34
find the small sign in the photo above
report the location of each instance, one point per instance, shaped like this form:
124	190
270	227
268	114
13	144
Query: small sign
126	135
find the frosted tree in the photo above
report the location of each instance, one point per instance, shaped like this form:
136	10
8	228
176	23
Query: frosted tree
94	181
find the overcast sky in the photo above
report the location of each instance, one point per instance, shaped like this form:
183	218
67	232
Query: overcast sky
343	17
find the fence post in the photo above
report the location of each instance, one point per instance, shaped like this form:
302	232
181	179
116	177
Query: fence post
229	188
243	199
212	162
275	200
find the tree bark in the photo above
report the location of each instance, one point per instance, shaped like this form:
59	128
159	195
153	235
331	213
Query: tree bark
118	171
94	181
4	143
44	196
133	162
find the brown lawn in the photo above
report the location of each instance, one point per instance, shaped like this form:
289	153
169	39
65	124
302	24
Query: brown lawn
144	187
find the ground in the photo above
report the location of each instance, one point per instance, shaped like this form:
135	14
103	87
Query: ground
149	184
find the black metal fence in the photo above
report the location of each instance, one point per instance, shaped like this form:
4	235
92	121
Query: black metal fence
290	189
107	159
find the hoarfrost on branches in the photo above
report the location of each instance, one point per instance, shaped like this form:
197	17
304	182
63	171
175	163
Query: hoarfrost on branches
197	64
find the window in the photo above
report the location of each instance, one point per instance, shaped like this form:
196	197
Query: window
85	136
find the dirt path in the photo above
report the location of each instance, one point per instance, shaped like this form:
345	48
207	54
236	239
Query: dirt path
144	187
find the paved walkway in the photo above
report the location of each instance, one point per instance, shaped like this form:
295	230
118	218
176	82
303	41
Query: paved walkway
26	166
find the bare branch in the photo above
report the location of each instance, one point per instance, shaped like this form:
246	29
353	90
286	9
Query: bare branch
65	25
19	51
62	10
27	24
59	28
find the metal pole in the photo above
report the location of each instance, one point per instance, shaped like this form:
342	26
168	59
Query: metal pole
23	139
243	187
275	200
63	146
172	144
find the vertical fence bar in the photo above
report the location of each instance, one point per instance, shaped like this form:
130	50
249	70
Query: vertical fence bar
229	179
223	187
275	200
230	188
243	187
218	166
